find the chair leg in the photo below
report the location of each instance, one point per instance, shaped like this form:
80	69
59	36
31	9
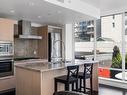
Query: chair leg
67	87
91	86
84	85
77	85
55	85
80	85
72	86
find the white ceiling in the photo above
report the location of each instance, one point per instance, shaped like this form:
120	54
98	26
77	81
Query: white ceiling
108	7
95	3
38	11
45	13
113	6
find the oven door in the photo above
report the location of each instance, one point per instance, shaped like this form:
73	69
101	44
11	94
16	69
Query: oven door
6	67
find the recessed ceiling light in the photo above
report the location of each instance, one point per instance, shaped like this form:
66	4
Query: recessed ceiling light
12	11
69	1
39	16
49	14
31	4
59	12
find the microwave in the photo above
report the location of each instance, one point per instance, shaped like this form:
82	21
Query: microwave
6	48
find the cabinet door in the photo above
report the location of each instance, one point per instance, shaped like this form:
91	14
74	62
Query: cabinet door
6	29
7	83
43	44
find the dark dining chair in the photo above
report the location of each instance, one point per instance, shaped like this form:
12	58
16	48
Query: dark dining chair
68	79
83	76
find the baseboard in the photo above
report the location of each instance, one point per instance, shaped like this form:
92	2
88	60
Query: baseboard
7	91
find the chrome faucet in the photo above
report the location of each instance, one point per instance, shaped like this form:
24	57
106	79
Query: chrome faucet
63	51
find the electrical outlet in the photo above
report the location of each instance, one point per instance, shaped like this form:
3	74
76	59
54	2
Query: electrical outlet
35	52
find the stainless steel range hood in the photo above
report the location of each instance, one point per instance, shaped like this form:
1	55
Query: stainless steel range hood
25	30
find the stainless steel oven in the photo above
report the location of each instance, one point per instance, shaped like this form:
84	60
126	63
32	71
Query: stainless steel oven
6	67
6	58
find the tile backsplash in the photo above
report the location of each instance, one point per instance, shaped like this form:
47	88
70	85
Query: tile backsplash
25	48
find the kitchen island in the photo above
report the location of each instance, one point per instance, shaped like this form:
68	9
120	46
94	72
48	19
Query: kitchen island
37	78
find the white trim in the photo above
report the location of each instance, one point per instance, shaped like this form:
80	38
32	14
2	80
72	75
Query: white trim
123	46
113	82
73	42
95	41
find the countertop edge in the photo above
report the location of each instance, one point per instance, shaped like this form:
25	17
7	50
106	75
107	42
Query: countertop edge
22	65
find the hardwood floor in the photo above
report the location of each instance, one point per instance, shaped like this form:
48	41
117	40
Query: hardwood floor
103	90
108	90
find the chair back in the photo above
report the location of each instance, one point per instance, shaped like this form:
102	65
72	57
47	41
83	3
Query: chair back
88	69
72	71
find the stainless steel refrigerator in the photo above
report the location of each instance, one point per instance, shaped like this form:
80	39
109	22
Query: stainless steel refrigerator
54	46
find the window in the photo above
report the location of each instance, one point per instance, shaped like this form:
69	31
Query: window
84	35
111	65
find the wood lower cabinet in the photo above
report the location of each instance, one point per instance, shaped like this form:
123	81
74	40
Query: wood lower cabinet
6	29
7	83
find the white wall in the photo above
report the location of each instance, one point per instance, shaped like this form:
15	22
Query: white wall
69	43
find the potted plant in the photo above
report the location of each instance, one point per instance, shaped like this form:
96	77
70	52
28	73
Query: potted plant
116	61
